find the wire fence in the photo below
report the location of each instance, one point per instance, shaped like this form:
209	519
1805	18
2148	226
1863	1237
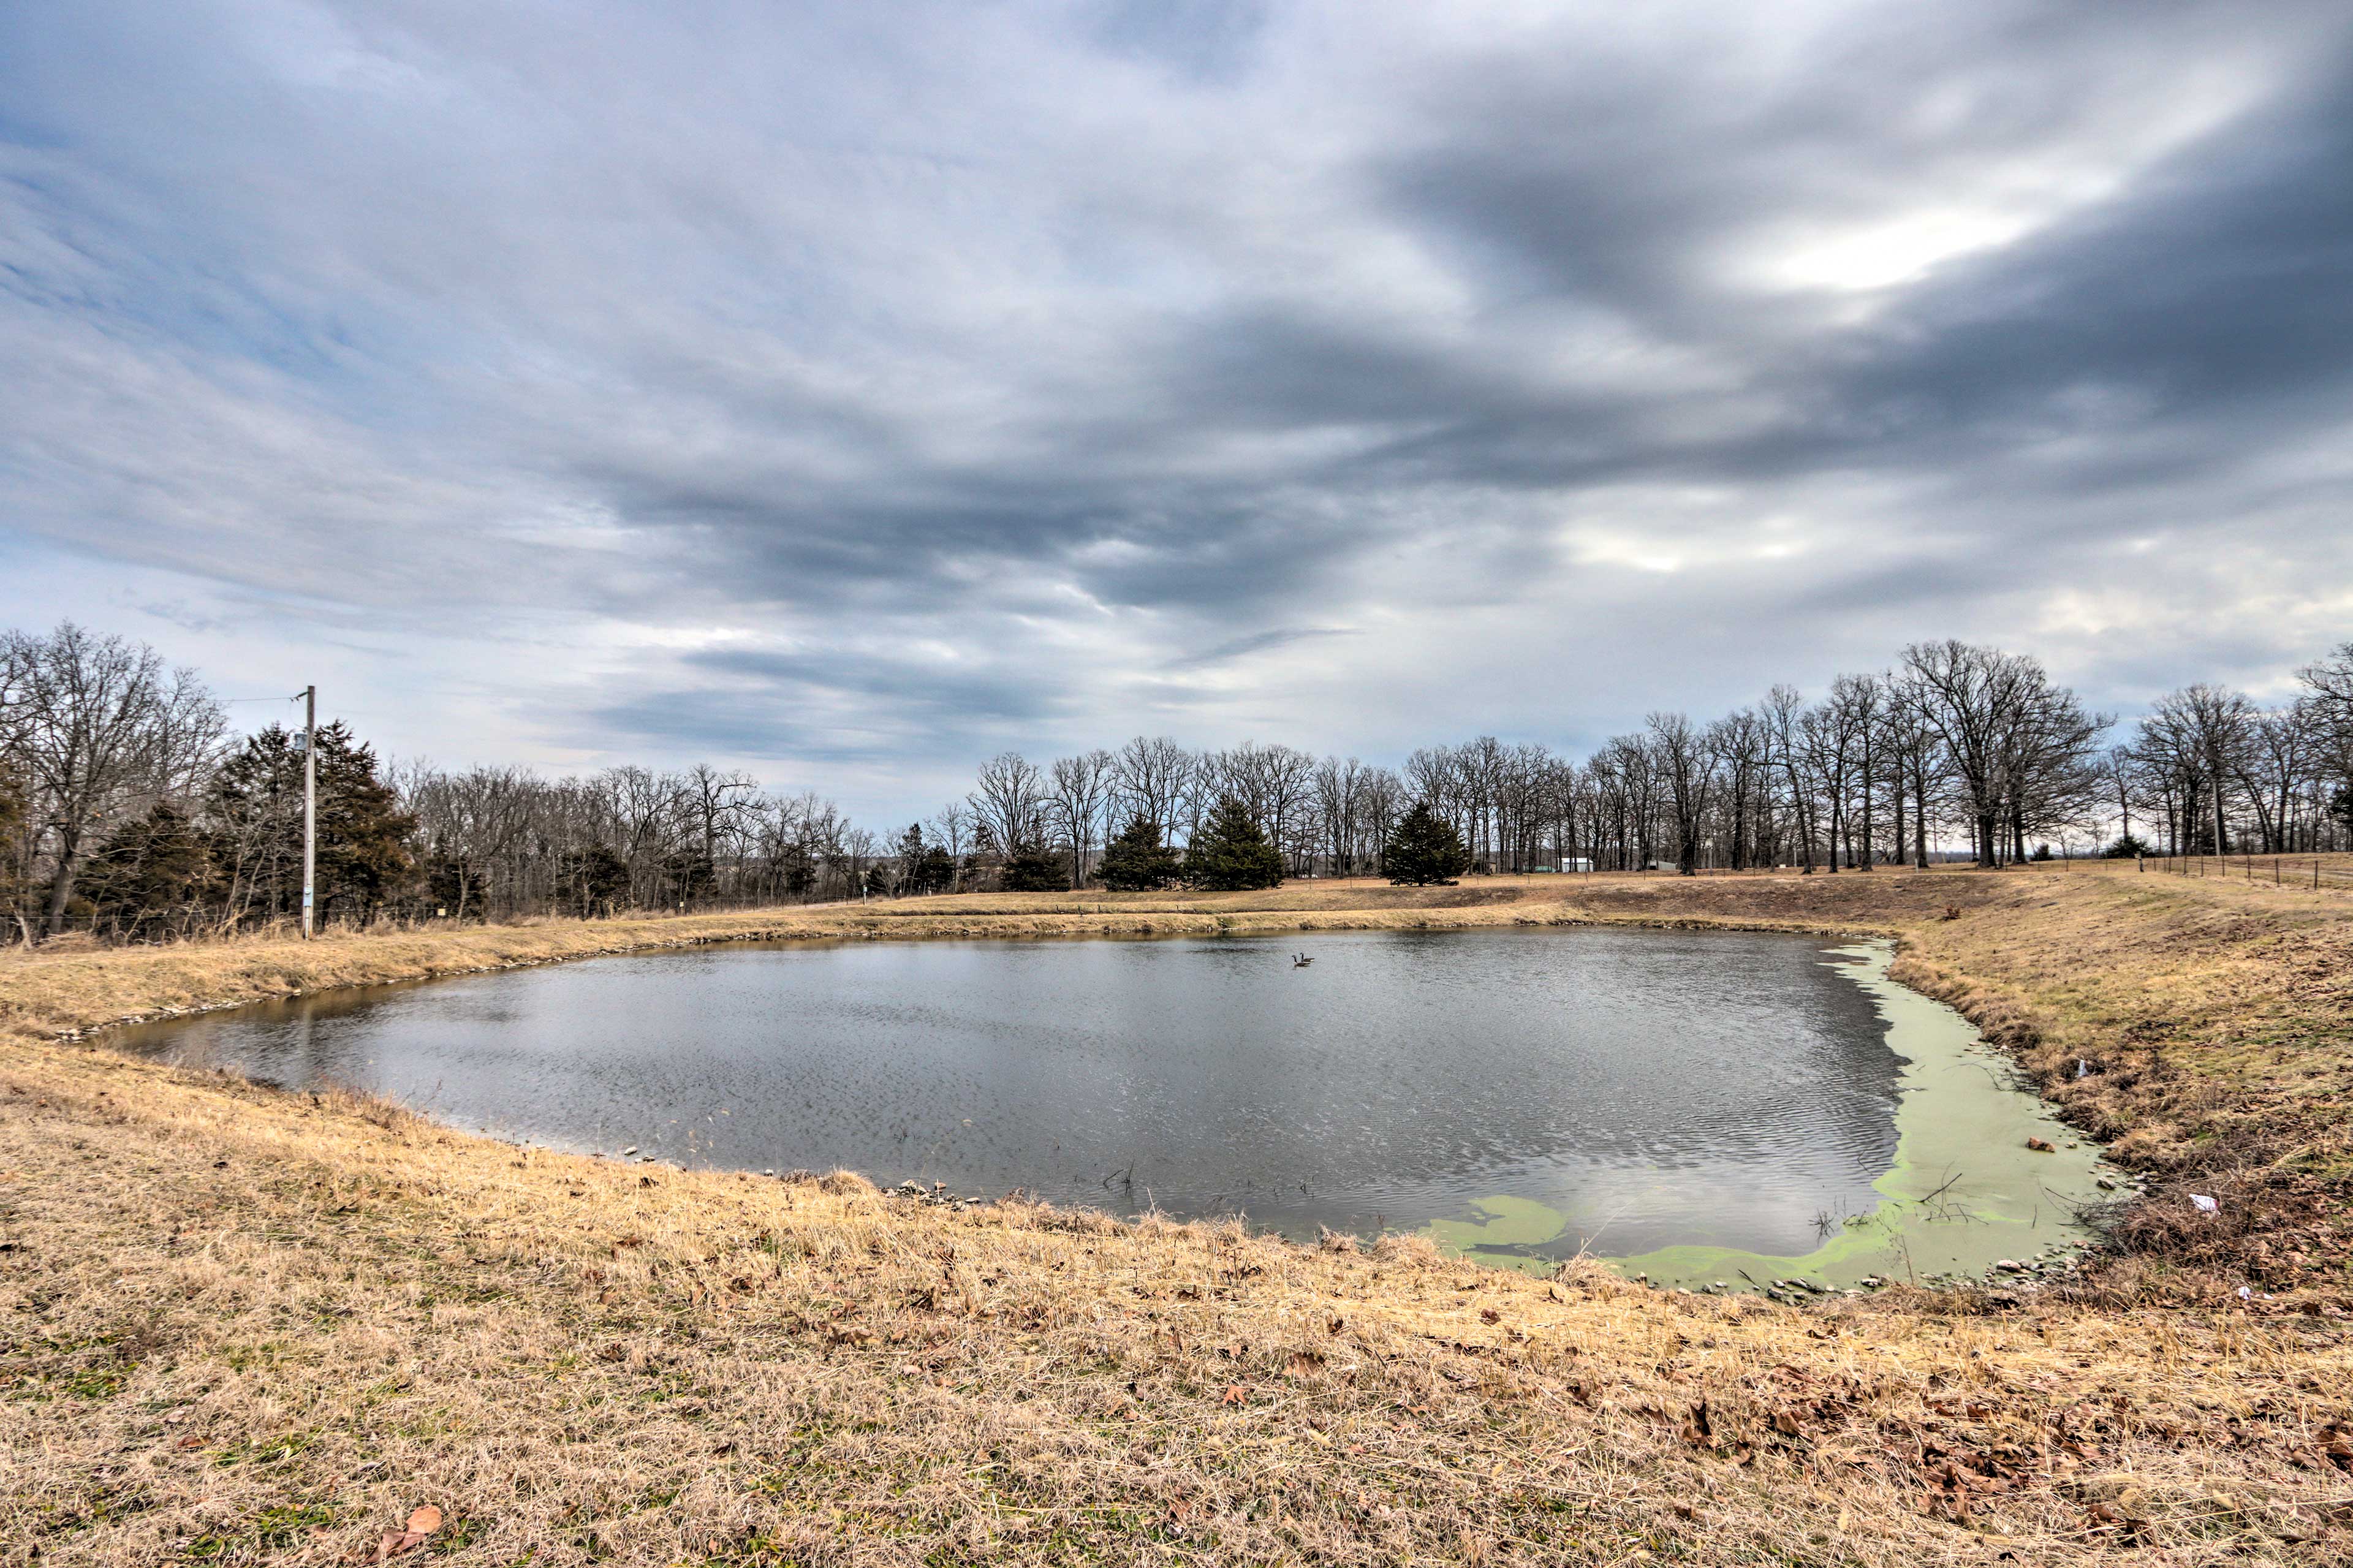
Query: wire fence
160	927
2321	873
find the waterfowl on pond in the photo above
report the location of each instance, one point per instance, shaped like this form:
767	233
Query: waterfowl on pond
1300	960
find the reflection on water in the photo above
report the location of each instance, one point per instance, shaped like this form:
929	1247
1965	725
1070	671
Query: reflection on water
1651	1089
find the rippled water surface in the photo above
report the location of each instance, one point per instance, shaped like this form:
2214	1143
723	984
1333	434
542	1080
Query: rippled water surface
1655	1087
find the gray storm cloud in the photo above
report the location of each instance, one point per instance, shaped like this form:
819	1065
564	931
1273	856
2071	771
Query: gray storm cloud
859	391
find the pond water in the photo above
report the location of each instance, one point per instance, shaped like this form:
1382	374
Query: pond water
1526	1094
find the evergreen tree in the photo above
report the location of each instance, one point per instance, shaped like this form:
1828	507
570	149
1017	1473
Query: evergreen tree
155	873
936	873
453	887
924	867
1136	861
1030	869
363	848
1424	848
909	851
363	858
594	880
687	876
1229	854
796	869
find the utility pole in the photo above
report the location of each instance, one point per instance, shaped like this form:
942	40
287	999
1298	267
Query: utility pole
310	802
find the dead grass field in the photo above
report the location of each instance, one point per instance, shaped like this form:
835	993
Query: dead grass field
242	1326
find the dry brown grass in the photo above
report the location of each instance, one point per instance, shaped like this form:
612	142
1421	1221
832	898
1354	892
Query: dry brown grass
2205	1027
245	1326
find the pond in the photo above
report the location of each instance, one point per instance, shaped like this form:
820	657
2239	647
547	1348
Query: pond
1697	1100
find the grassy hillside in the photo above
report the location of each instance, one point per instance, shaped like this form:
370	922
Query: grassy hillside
244	1326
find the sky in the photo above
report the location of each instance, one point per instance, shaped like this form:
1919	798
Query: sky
849	392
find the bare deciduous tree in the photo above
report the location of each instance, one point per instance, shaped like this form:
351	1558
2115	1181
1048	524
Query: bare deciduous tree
1154	777
101	728
1687	764
1008	803
1082	788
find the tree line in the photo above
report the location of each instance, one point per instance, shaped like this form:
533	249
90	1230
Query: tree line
129	809
128	806
1954	744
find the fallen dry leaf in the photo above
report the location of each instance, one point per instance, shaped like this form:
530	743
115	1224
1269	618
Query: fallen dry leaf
423	1520
1699	1431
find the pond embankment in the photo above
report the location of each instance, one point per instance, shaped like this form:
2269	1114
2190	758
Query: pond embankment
248	1326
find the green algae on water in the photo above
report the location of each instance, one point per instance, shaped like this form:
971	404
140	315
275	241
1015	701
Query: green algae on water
1967	1190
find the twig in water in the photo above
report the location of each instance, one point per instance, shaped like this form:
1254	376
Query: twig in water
1584	1242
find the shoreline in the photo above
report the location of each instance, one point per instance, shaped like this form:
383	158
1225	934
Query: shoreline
1965	1195
284	962
1974	1232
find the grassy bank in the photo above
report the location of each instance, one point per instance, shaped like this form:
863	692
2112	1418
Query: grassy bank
245	1326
